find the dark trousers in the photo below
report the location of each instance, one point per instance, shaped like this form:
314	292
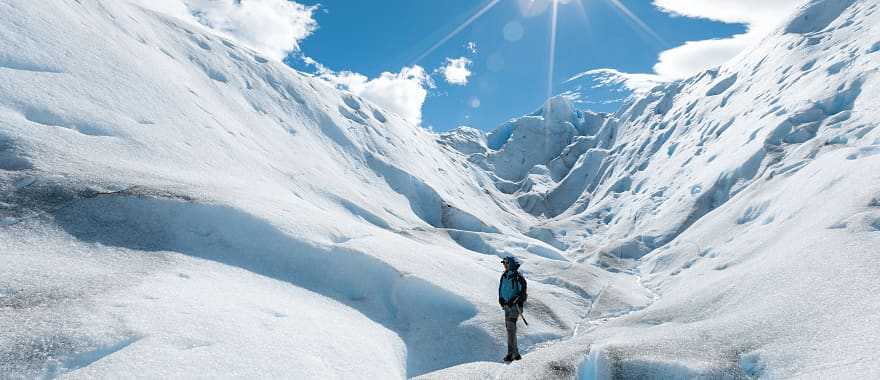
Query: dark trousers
511	314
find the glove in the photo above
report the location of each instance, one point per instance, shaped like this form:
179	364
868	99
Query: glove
501	301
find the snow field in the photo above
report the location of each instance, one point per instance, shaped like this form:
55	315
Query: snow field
743	198
167	196
215	178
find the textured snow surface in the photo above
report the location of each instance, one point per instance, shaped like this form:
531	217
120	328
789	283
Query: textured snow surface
746	200
175	205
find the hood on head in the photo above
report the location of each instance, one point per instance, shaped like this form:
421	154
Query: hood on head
512	262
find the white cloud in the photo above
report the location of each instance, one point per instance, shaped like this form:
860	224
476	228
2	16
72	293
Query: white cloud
403	93
456	71
272	27
760	16
471	47
697	56
767	12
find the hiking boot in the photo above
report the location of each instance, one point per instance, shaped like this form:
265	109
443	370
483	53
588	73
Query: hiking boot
508	358
516	357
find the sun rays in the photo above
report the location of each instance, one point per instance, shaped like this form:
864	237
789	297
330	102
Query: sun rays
641	25
531	8
482	10
554	19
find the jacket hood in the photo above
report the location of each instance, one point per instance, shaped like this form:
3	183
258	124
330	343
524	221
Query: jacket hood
513	263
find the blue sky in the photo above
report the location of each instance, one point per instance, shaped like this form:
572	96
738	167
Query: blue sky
412	57
509	73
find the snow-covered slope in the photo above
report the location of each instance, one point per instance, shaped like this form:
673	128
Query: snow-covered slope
747	199
173	204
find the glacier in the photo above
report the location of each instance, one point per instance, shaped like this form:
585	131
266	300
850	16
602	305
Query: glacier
174	204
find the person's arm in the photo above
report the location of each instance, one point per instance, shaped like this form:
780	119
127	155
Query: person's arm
500	300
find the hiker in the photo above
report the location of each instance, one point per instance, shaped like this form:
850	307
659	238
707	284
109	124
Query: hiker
511	295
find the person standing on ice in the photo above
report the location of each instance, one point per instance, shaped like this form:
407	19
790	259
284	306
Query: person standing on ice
511	295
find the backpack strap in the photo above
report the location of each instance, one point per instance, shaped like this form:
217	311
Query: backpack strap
523	293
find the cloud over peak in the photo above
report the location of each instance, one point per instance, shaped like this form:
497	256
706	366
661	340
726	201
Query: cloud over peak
403	92
760	16
272	27
763	12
